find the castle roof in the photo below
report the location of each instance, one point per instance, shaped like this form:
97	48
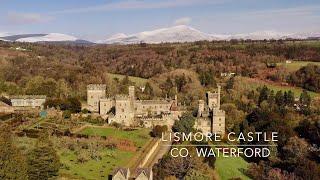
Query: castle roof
2	104
154	101
123	171
96	86
28	97
145	171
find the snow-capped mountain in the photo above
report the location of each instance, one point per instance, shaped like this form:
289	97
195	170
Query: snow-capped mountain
180	33
260	35
184	33
51	37
48	38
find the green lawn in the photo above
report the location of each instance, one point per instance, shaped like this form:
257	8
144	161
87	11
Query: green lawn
250	84
231	167
139	136
295	65
137	80
93	169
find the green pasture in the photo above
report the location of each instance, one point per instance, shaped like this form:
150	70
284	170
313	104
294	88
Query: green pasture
139	136
93	169
137	80
295	65
249	84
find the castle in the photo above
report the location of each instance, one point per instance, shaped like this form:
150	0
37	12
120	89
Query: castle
210	118
130	111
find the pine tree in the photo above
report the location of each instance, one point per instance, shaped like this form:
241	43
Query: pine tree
305	98
12	162
280	98
43	161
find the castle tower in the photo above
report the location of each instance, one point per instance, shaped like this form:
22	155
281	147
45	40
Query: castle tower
200	108
218	124
95	92
131	92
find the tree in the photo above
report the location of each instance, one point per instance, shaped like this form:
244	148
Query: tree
279	98
185	124
12	162
180	81
295	148
305	98
290	98
148	90
206	78
264	94
230	84
72	104
43	161
158	130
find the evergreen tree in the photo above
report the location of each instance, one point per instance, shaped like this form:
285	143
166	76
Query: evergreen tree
290	98
230	84
43	161
280	100
264	94
185	124
305	98
12	162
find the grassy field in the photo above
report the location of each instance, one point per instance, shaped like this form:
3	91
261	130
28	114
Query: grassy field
137	80
295	65
93	169
253	84
231	167
139	137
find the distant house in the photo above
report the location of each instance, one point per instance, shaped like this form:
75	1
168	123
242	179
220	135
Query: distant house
5	108
120	174
32	101
138	174
227	74
143	174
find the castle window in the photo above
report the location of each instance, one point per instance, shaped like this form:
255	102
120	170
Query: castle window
122	110
219	124
219	119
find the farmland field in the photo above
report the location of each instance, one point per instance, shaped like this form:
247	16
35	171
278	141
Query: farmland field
295	65
253	84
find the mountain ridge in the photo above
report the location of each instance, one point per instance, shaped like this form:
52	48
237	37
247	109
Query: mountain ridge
183	33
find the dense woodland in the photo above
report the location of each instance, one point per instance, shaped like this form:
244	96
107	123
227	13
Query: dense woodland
189	69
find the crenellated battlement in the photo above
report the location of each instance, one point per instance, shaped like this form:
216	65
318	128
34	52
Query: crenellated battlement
122	97
96	87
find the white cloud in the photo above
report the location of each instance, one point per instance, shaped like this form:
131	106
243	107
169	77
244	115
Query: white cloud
182	21
27	18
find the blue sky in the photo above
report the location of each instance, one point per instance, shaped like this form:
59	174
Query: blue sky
97	19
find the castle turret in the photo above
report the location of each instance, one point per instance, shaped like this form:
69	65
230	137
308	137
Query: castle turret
131	92
200	108
95	92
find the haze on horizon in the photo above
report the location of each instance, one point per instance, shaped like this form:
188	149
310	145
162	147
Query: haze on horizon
98	19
